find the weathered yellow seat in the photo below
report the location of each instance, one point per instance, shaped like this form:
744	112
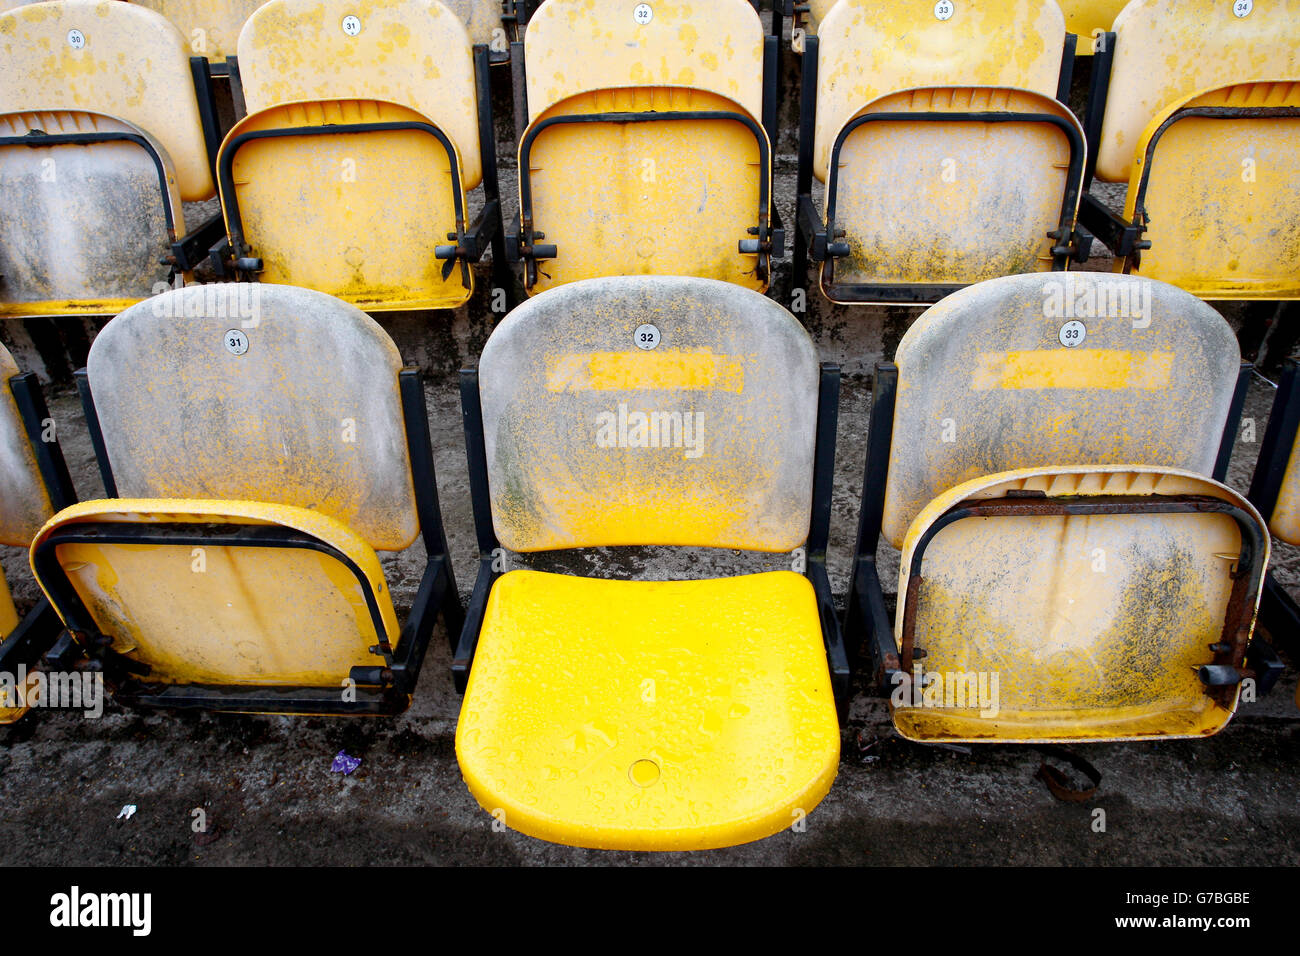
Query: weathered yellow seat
363	125
1275	491
947	160
1089	20
645	152
34	481
233	564
1205	141
602	695
636	714
1069	567
210	27
100	142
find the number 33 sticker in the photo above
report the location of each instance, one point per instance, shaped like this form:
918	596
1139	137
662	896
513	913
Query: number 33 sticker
1072	334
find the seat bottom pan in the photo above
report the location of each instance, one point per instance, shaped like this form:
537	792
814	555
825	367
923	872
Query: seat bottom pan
239	594
1222	209
1052	628
648	715
83	230
358	215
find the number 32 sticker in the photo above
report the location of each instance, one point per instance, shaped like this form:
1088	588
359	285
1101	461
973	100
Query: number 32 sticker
646	336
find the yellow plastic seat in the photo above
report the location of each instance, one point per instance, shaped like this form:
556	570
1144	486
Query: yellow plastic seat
946	160
106	90
1089	20
211	27
650	715
1275	491
600	694
233	565
645	152
363	125
34	481
1072	566
1205	142
1086	19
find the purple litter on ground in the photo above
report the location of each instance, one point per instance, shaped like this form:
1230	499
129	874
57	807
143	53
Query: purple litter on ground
344	764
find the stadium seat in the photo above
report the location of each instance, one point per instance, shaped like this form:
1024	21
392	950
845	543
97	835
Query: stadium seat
651	715
367	126
1047	456
1205	141
946	154
34	482
647	150
102	137
1090	21
1086	19
258	444
1275	491
210	27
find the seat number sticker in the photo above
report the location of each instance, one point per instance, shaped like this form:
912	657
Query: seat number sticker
1242	8
643	13
77	39
1072	334
943	10
646	336
236	342
351	25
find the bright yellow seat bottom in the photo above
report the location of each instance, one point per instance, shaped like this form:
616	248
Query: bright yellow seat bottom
649	715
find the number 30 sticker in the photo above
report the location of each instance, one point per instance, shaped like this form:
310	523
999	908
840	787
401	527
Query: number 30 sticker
76	39
351	25
1072	333
646	336
236	342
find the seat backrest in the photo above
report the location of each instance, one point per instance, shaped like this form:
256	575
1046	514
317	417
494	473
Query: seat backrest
1058	369
1165	52
103	56
24	502
482	19
595	439
869	48
576	46
415	53
264	393
211	27
1088	19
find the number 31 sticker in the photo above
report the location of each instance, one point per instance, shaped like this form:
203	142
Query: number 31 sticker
351	25
236	342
